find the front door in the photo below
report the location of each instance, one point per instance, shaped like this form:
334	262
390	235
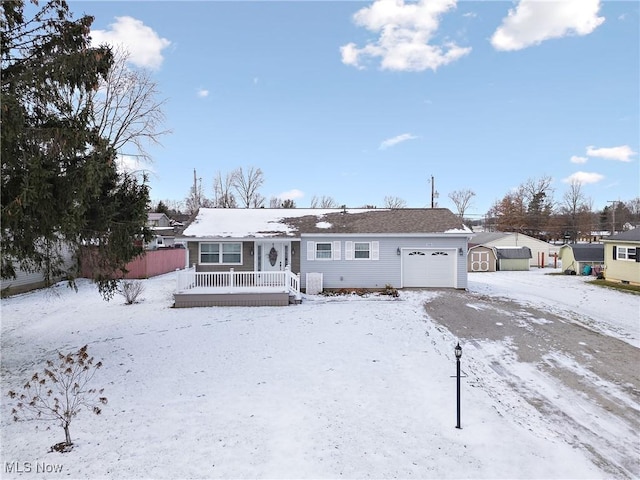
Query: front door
272	256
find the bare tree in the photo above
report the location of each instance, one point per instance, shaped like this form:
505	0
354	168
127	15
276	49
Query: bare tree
196	198
634	207
394	202
462	200
247	185
323	202
538	201
575	209
127	109
59	392
276	202
257	201
223	196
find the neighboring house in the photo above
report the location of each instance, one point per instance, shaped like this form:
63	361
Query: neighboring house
482	259
576	256
23	282
542	253
163	230
26	281
513	258
621	259
348	249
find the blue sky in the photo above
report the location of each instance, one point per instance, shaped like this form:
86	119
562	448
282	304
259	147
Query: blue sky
362	100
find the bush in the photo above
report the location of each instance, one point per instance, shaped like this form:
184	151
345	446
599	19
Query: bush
390	290
131	290
59	392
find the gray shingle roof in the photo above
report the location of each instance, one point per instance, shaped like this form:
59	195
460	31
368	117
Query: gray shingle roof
274	223
513	253
588	252
628	236
486	237
402	220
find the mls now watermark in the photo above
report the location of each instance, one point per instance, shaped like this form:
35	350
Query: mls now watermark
32	467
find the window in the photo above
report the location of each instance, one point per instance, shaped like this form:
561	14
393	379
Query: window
209	253
627	253
221	253
323	251
231	253
361	250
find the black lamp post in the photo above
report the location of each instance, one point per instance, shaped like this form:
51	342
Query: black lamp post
458	352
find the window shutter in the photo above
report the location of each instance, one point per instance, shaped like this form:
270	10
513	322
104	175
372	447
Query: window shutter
336	250
615	252
375	250
311	251
348	250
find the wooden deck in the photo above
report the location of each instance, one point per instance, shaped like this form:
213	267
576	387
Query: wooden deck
245	289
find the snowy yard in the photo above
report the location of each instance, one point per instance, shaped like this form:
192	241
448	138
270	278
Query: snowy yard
334	387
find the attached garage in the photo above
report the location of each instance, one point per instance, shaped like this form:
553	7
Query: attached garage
429	267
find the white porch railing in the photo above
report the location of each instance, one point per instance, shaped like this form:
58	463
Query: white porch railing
238	281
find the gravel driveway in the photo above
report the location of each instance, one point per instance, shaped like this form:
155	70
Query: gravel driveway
584	384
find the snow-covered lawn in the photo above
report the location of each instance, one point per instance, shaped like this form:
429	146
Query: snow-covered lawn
334	387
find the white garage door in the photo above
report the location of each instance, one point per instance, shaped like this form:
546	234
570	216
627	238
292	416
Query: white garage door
426	267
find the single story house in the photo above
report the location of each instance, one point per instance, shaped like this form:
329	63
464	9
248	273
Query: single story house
345	248
482	258
621	259
542	253
575	256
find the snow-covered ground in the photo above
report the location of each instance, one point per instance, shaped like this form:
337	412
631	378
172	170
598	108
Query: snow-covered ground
335	387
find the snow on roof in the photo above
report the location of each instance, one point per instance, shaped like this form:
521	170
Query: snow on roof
258	222
286	222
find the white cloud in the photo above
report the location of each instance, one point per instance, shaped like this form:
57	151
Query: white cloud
621	153
293	194
534	21
390	142
142	42
203	93
577	159
584	178
405	34
131	164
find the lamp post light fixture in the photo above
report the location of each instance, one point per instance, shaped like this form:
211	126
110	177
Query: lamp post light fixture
458	352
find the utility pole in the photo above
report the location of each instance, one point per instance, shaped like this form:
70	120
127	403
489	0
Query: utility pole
614	202
434	194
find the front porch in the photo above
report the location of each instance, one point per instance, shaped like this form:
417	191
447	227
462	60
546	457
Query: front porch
225	289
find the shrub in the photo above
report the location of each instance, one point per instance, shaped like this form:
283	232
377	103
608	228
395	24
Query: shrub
59	392
390	290
131	290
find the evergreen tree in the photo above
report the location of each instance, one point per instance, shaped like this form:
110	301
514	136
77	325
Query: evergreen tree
59	179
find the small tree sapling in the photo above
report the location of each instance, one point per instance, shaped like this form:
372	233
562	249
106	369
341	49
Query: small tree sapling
59	392
130	290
